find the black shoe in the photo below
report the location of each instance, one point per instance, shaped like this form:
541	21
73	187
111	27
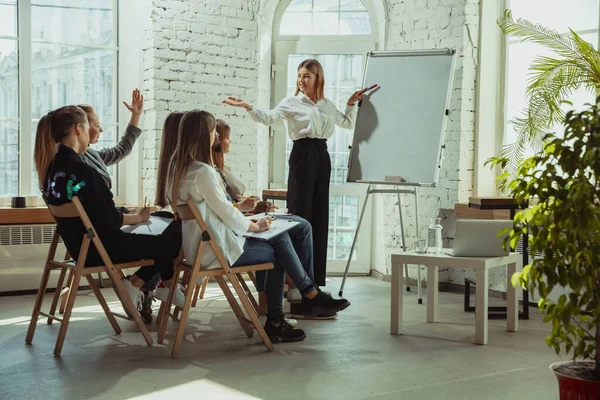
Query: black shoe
323	303
146	311
297	312
283	332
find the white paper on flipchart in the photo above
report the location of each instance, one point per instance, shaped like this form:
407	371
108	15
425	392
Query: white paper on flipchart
154	226
278	226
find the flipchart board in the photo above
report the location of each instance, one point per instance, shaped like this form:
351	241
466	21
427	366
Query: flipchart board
399	130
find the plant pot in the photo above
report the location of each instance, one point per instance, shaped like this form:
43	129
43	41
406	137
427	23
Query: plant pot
574	388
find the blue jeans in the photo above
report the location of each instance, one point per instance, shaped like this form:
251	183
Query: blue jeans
301	236
281	252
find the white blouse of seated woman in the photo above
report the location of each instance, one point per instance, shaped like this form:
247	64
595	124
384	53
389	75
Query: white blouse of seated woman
192	176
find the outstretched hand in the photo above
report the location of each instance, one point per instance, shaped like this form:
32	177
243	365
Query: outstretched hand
356	96
237	102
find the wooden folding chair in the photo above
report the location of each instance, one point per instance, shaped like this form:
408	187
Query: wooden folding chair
201	289
76	271
191	212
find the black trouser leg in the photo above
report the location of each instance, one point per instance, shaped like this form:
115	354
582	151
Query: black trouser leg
308	195
163	249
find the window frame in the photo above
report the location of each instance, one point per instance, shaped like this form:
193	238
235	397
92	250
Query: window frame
25	106
493	60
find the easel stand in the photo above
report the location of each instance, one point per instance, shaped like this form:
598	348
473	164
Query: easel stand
414	191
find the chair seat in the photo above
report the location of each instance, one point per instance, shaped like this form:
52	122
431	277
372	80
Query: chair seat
71	264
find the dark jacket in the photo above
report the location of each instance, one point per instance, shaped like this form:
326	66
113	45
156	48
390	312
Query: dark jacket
69	175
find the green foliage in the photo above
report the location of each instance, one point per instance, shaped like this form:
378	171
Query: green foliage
562	186
551	82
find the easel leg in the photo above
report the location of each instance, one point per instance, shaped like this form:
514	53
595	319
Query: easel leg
362	213
404	246
419	281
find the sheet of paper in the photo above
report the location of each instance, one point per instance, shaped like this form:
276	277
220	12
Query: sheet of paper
154	226
271	214
277	228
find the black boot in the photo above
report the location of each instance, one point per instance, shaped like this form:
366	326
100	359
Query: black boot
297	312
279	330
322	304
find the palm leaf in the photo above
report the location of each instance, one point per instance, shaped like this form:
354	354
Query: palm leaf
551	81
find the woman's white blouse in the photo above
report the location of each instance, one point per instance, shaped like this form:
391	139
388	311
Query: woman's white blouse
305	119
226	223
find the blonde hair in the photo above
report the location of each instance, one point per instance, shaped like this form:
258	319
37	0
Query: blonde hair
52	129
193	144
316	68
167	149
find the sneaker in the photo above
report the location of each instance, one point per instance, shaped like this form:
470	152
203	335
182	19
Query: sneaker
134	293
162	293
323	304
293	322
297	312
294	296
146	311
283	332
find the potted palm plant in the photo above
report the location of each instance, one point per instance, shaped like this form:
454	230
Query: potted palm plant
551	81
564	228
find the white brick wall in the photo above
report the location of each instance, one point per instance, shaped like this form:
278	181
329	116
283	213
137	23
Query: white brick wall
421	24
196	54
200	51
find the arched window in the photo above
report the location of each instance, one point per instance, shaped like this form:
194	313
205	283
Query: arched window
325	17
338	33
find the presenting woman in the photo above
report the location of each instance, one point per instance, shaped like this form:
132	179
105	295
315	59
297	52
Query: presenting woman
310	120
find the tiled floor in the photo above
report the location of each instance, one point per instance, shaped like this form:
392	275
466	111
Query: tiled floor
353	357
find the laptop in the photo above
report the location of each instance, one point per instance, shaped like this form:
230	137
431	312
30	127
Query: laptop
479	238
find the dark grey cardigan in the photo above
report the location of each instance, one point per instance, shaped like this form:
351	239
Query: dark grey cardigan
104	158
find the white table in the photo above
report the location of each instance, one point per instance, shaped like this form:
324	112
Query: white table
481	265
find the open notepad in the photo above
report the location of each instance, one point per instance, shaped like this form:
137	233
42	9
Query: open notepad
278	226
154	226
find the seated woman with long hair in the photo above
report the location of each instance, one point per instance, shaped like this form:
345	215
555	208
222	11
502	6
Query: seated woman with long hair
300	234
192	176
61	140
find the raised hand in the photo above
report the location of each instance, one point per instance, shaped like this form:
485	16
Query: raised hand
136	107
237	102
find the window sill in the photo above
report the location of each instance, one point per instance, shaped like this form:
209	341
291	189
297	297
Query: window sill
29	215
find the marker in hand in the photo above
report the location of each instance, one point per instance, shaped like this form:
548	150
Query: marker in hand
372	87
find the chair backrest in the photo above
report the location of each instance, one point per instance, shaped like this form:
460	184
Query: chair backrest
75	209
190	211
67	210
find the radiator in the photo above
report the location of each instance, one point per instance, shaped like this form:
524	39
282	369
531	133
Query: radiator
23	252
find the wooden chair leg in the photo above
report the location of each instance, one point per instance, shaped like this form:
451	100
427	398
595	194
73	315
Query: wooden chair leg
122	293
62	333
203	289
100	279
248	292
102	301
185	312
65	292
235	306
38	304
252	276
250	310
196	294
166	309
57	293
